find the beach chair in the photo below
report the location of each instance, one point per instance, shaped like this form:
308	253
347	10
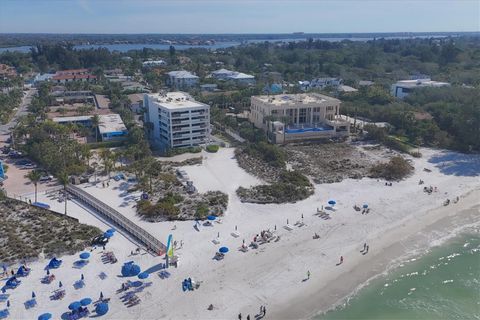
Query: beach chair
30	303
235	234
102	275
79	284
216	241
288	227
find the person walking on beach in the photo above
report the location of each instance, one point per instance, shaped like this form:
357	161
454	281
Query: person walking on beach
264	311
364	247
239	316
368	247
308	274
341	259
248	317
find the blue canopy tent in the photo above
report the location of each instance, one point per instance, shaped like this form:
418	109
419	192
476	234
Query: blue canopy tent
332	202
101	309
84	255
13	282
108	235
211	218
112	230
74	305
23	271
85	301
54	263
223	250
45	316
130	269
143	275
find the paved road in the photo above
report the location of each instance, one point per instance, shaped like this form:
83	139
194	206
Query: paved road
22	110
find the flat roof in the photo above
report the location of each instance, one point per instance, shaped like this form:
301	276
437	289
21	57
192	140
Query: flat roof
289	99
420	83
71	119
111	123
176	100
103	101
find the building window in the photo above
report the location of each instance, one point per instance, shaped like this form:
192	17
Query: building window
302	118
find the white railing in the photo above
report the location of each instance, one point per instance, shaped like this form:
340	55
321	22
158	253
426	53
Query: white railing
139	234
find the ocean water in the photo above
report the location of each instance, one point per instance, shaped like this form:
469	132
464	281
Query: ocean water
443	284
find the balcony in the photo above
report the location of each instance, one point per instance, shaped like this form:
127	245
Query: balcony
178	115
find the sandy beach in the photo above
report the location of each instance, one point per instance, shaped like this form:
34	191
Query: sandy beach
403	220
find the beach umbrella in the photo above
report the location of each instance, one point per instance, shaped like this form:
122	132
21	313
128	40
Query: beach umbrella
108	235
211	218
365	206
101	295
82	277
60	284
33	295
85	301
102	308
143	275
84	255
332	202
223	250
45	316
74	305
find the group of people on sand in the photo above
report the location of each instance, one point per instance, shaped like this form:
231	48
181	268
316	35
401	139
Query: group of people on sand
263	312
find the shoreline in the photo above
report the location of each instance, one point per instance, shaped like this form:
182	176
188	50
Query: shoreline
416	239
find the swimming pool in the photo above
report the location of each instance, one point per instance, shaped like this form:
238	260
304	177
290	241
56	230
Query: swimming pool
303	130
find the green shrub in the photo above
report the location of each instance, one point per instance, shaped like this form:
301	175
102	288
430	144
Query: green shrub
106	144
212	148
396	169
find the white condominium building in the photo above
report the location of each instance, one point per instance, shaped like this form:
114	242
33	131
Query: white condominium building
403	88
182	79
177	120
297	117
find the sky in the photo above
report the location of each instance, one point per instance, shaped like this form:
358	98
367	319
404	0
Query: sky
237	16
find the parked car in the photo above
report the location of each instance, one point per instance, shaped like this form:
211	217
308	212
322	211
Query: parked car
23	162
15	154
46	178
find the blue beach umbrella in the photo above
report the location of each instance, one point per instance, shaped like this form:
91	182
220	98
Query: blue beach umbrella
365	206
102	308
108	235
84	255
45	316
143	275
223	250
332	202
74	305
211	218
85	302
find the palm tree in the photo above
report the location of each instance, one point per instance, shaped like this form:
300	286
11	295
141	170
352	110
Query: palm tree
34	176
95	124
63	179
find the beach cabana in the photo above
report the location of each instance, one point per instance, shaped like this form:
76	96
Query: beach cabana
223	250
84	255
45	316
23	271
12	283
101	309
54	263
85	301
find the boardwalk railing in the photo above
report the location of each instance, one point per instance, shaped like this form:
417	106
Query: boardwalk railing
119	220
